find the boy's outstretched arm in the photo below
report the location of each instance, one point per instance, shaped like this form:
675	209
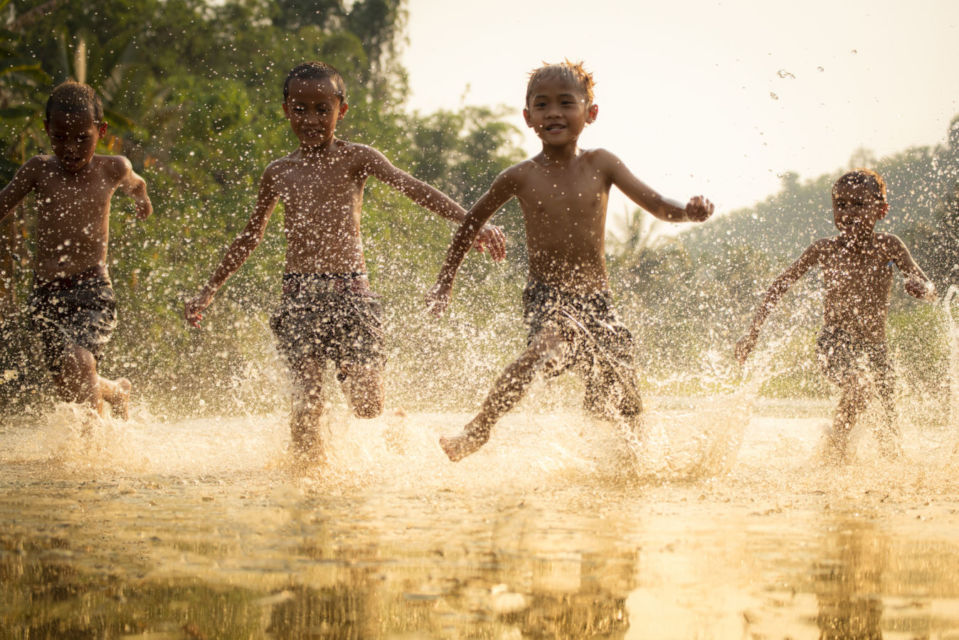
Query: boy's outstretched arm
775	291
917	283
136	187
499	193
698	209
238	251
490	237
23	182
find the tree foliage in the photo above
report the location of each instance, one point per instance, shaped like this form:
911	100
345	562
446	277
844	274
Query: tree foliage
192	92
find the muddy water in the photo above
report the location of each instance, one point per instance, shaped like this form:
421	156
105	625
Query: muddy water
728	526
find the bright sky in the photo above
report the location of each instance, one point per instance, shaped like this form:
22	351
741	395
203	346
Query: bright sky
705	96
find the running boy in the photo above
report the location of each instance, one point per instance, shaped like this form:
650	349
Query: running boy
328	311
73	308
857	277
563	192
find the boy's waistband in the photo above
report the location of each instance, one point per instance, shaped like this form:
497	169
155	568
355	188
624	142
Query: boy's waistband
98	272
353	282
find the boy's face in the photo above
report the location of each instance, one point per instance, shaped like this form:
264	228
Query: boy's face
74	137
857	208
313	108
557	111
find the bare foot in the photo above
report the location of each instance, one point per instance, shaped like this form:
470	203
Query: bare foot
120	403
458	447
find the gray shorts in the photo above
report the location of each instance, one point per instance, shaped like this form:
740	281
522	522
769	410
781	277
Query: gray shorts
80	310
329	317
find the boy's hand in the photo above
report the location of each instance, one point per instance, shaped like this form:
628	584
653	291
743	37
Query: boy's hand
492	239
744	347
919	288
698	209
144	208
193	308
437	299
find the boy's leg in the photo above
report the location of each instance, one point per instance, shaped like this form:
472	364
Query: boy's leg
888	431
852	401
307	406
117	393
506	392
77	379
363	386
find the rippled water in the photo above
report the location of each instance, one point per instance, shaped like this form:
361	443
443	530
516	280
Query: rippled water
729	526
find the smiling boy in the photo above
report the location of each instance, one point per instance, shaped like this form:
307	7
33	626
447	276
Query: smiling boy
857	280
73	307
563	192
328	311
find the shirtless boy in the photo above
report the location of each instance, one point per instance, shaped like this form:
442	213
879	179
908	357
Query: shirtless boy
73	307
328	311
857	277
563	193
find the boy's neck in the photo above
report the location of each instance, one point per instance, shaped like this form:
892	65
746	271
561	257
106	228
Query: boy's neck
559	155
317	151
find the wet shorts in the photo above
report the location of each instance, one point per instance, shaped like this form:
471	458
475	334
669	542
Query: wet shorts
80	310
329	317
596	344
841	355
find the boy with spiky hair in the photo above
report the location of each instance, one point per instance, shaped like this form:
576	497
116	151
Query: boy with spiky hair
73	307
563	192
857	280
328	311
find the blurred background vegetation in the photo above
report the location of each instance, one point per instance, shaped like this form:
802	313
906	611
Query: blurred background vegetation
192	90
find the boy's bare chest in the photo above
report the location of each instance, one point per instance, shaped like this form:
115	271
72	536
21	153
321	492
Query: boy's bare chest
64	198
868	270
572	195
308	185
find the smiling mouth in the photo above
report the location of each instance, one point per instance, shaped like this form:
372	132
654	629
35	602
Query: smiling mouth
555	127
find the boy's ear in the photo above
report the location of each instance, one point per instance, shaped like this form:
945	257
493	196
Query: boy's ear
286	110
102	129
526	117
343	109
592	112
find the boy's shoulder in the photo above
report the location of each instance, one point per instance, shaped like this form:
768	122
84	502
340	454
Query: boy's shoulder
117	167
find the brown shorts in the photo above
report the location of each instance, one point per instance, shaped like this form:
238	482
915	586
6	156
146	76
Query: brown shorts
840	355
80	310
596	344
329	317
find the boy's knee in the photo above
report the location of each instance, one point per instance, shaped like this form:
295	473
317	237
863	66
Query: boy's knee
368	405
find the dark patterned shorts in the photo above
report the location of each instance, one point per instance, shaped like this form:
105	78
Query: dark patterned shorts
841	355
596	344
80	311
329	317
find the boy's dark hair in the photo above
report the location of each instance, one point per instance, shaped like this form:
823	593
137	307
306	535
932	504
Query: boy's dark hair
315	71
575	72
863	177
75	97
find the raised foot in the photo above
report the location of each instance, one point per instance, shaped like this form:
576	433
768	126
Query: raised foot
458	447
120	407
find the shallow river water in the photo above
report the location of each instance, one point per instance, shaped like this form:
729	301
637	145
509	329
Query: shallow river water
729	525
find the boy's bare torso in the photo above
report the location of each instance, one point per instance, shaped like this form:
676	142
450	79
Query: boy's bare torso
564	207
73	214
323	200
857	282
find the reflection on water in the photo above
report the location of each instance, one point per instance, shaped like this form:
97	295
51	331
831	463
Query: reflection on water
198	529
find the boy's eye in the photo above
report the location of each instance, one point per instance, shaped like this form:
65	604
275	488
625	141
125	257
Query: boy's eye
845	204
